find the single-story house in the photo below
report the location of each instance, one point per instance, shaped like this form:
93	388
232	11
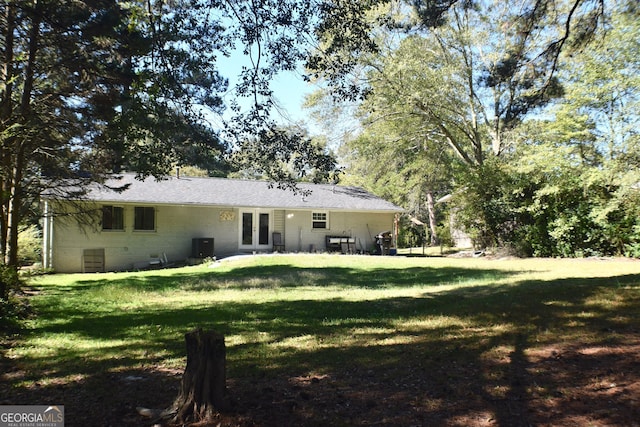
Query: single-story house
180	218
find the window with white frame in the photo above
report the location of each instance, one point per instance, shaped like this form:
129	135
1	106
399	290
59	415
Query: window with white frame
319	220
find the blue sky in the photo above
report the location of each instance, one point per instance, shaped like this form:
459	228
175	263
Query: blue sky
289	90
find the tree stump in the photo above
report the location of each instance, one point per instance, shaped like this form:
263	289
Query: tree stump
203	388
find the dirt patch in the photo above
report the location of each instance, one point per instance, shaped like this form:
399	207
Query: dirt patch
563	385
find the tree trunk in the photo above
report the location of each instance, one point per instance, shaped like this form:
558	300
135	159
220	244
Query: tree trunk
203	389
433	225
13	217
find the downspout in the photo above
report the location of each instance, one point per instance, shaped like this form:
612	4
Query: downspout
396	229
47	238
51	241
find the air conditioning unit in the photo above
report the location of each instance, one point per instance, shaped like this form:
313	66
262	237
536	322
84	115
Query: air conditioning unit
202	247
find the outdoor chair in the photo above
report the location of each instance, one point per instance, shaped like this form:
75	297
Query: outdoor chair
278	244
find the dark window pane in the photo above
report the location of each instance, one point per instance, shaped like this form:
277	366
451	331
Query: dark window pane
112	218
263	231
247	228
144	218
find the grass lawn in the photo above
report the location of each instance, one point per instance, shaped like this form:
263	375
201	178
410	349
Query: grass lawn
344	340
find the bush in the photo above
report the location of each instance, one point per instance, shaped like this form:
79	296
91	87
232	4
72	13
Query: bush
444	235
9	281
632	250
13	308
29	245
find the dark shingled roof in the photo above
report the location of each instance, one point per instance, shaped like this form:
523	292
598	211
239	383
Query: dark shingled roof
238	193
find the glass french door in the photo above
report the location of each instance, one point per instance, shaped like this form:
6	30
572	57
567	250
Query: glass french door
255	229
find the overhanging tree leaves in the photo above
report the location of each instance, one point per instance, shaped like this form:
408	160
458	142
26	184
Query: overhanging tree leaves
347	35
286	156
91	88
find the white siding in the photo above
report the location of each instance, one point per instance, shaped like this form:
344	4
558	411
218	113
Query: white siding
278	221
363	226
176	226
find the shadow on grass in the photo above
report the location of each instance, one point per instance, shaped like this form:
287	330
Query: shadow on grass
481	353
287	276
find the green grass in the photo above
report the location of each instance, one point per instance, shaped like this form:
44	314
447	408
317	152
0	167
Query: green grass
320	313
